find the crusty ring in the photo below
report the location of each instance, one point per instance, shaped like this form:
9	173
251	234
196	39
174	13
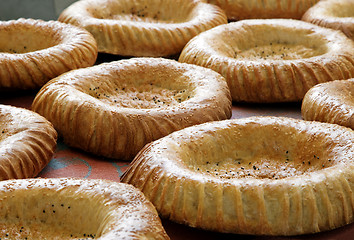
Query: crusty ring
27	142
260	175
34	51
114	109
331	102
272	60
76	208
336	14
145	27
247	9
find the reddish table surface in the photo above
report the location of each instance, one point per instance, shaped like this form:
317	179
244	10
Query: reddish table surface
68	162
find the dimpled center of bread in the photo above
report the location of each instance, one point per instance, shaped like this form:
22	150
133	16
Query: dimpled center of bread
38	231
276	51
266	153
261	167
144	96
264	42
31	214
152	12
24	40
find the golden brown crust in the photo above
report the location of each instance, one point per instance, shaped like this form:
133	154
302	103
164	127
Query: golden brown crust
114	109
34	51
67	208
260	175
248	9
275	60
143	28
27	143
336	14
330	102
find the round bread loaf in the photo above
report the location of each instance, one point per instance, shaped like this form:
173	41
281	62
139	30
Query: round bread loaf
247	9
27	142
331	102
76	209
145	27
259	175
336	14
114	109
272	60
34	51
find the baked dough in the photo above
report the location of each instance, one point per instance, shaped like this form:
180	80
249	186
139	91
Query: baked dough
34	51
260	175
331	102
145	27
27	142
336	14
114	109
75	208
246	9
272	60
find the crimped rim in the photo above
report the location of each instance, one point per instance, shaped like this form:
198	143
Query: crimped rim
111	211
240	9
145	33
330	102
27	142
316	200
324	14
83	108
58	48
272	80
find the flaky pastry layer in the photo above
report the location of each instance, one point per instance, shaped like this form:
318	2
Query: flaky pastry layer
260	175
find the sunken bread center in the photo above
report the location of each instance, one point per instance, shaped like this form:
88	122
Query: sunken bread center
146	92
144	11
250	151
272	43
45	216
24	39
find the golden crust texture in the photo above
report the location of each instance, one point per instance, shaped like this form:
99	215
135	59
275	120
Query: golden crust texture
247	9
27	142
114	109
34	51
336	14
272	60
65	208
143	27
260	175
331	102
